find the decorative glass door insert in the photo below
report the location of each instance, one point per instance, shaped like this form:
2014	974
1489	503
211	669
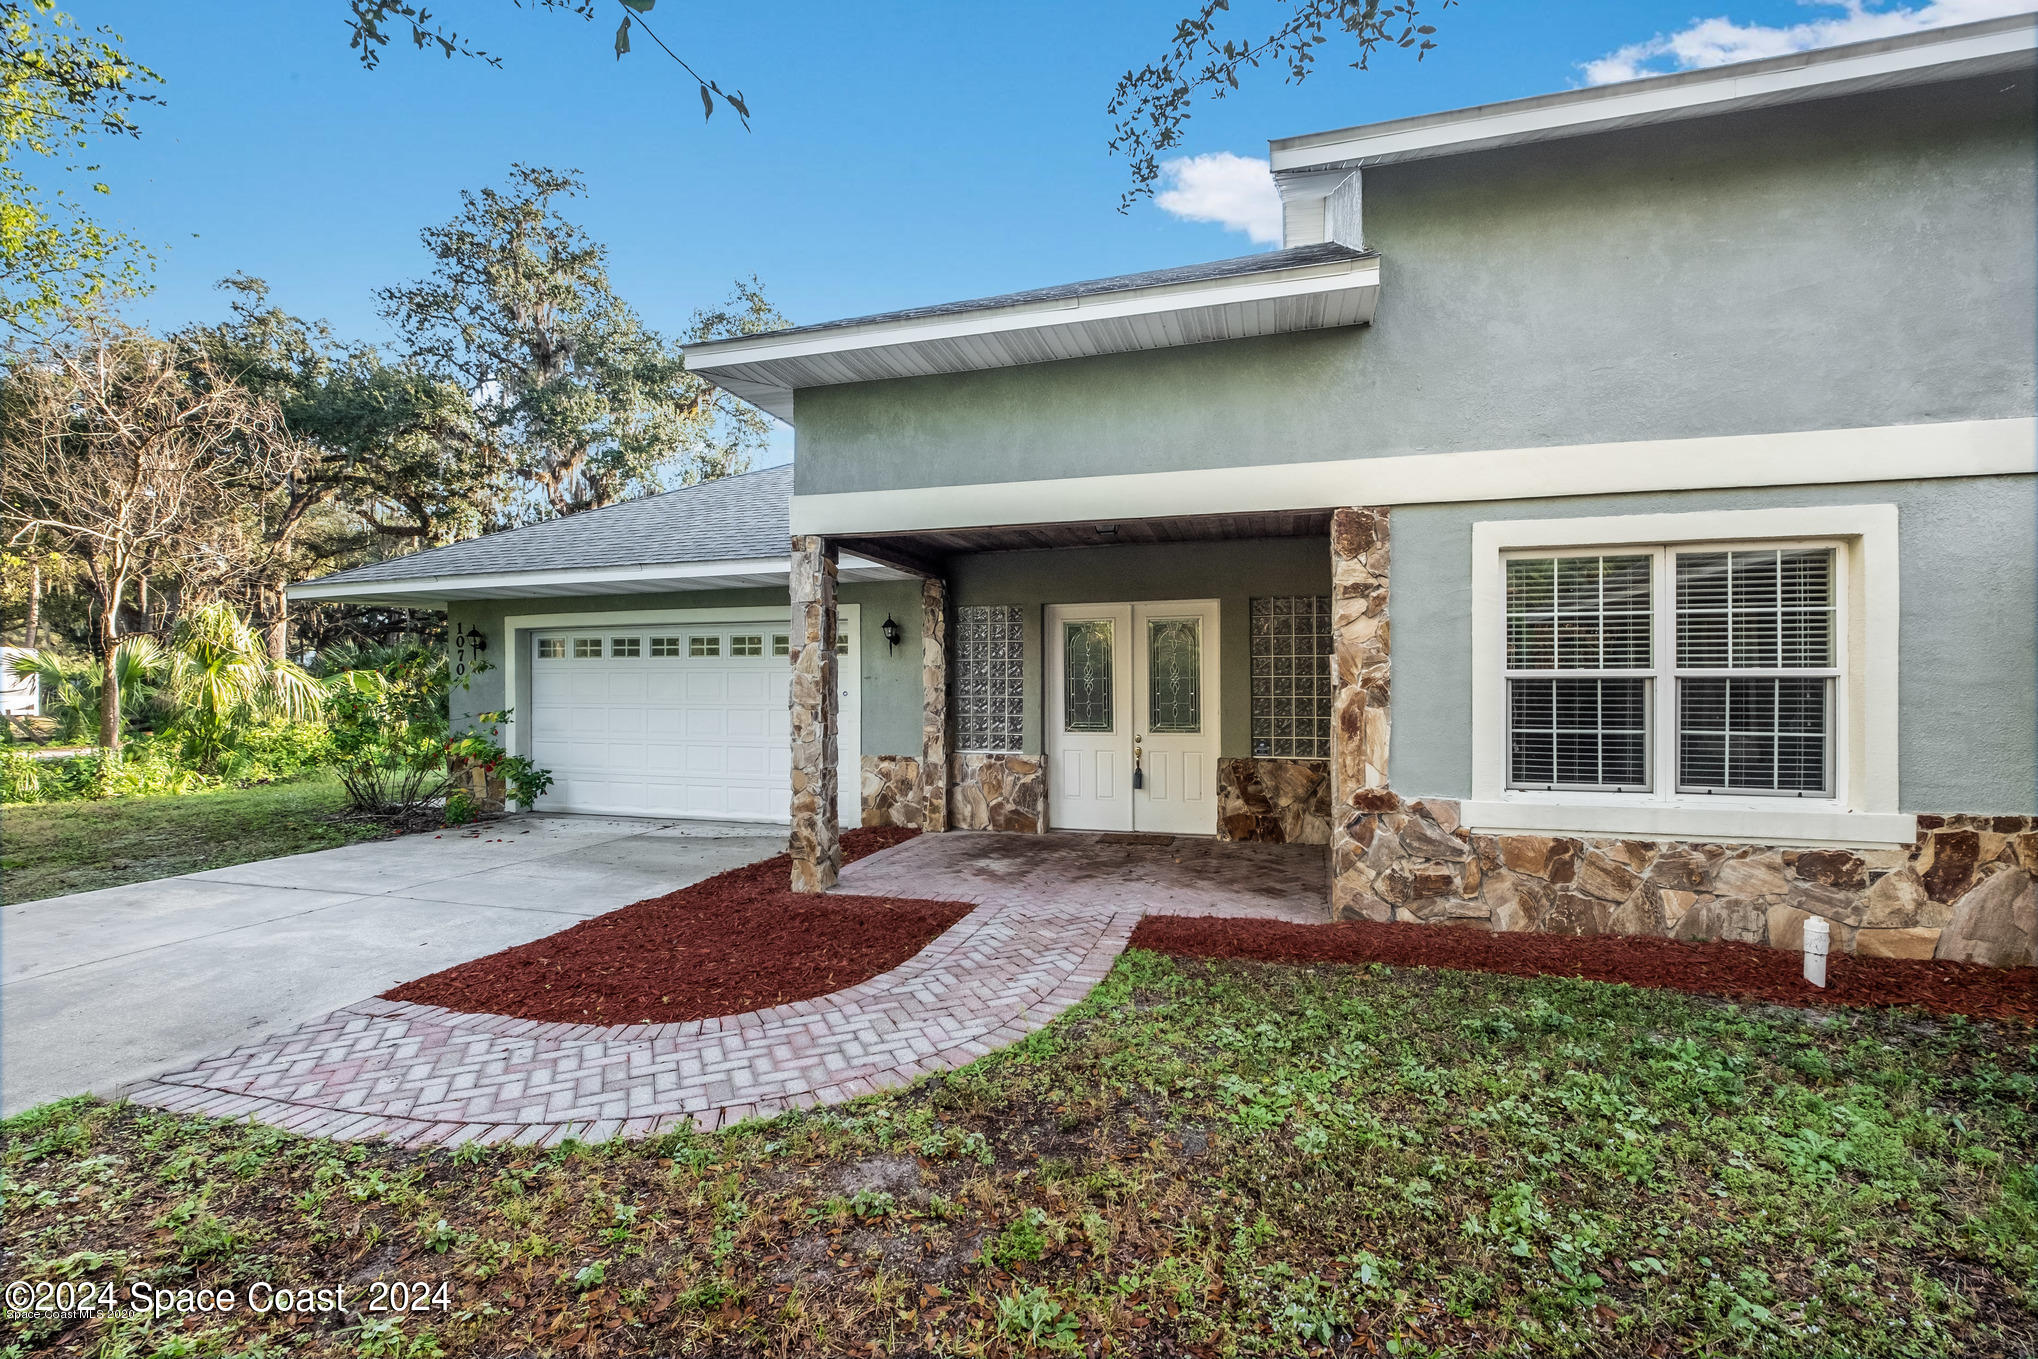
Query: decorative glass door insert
1086	675
1174	648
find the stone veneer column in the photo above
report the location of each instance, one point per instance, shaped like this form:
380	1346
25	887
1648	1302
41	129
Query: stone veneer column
816	845
1359	708
934	705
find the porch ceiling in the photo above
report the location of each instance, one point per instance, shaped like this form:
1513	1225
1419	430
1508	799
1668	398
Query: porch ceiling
928	547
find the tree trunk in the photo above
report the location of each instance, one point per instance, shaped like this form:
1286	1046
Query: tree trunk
34	604
279	625
109	671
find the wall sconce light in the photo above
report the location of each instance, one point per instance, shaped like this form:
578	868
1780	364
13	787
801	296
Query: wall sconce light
891	632
477	641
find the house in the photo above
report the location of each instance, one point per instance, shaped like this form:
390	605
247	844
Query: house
20	691
1607	511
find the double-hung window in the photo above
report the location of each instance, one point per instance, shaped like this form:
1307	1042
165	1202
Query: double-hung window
1681	671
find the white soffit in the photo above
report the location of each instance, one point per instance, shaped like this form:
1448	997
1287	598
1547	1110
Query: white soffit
671	578
766	370
1988	47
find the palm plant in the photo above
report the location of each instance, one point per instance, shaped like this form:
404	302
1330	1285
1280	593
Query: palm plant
220	679
70	688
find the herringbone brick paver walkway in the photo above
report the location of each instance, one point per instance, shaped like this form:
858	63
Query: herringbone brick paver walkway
1052	914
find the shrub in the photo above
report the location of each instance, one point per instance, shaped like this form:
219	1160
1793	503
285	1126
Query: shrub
525	781
278	750
221	682
389	734
20	777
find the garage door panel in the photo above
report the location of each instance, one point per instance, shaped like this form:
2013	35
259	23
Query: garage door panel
753	689
624	758
689	735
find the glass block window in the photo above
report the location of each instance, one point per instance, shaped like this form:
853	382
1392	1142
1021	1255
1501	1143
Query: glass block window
587	648
1755	671
781	644
1086	675
666	647
699	648
747	644
625	647
1174	688
551	648
989	678
1291	676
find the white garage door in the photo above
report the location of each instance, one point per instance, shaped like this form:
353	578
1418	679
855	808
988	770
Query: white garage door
676	719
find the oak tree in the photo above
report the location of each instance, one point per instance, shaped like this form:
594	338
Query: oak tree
572	391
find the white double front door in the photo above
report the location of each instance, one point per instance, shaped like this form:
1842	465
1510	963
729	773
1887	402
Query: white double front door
1131	717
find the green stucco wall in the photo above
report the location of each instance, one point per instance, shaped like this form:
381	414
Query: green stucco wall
1968	647
1855	262
890	678
1229	572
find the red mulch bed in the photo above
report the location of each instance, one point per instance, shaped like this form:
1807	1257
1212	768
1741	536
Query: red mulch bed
731	943
1742	971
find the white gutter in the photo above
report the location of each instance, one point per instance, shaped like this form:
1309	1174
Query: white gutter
715	355
584	580
1987	47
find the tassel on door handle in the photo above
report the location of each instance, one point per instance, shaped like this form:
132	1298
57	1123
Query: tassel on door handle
1138	773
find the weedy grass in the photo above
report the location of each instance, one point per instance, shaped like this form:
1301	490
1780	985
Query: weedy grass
1202	1158
54	848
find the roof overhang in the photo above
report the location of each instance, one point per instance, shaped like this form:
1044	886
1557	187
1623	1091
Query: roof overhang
1311	165
423	592
767	369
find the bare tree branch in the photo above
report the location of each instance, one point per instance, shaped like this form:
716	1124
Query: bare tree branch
1152	105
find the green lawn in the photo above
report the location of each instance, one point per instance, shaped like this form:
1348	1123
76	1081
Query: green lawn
1202	1158
51	848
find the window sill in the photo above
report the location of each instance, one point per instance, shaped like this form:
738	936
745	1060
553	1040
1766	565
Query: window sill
1776	823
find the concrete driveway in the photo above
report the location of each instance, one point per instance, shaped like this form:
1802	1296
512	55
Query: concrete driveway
102	988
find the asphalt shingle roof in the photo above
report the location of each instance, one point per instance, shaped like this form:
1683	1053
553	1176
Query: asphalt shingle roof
729	519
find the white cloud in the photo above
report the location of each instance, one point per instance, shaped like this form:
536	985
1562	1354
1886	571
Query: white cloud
1715	42
1236	192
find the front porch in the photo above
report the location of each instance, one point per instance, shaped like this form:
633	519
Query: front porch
1217	680
1071	870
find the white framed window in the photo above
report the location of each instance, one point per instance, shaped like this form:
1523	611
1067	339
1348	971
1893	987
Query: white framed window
551	648
587	648
1727	675
664	647
625	647
700	647
746	644
781	644
1701	668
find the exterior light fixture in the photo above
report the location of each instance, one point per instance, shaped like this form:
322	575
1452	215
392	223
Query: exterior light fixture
891	632
477	641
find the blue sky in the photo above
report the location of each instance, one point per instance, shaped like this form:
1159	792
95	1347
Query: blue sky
900	153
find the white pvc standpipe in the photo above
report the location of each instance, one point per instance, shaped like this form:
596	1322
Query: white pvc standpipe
1818	938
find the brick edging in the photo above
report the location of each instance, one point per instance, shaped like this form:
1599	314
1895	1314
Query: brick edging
976	987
